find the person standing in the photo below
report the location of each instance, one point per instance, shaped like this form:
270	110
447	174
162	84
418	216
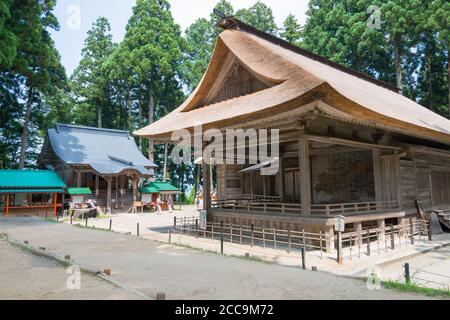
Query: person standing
158	205
170	203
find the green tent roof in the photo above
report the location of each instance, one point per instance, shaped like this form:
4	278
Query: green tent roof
157	187
79	191
30	179
35	190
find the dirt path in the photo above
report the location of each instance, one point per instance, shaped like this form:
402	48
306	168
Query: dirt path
184	273
27	276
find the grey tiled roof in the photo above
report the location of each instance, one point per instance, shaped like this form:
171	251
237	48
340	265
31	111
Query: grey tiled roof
106	151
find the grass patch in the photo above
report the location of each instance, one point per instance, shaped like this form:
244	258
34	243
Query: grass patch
414	287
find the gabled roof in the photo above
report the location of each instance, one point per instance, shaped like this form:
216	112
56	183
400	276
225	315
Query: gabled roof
299	77
30	179
106	151
158	187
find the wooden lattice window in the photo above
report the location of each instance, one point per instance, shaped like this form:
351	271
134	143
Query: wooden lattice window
238	82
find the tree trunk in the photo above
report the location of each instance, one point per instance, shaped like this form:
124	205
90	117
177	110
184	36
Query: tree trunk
99	117
398	63
429	82
140	123
26	122
151	110
448	84
166	152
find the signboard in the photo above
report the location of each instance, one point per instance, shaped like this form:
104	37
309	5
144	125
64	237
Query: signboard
202	222
339	224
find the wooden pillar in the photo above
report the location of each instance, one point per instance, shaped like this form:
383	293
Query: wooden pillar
122	182
281	173
206	187
135	189
358	227
381	232
305	172
78	179
7	204
96	185
329	238
55	203
116	205
108	199
377	178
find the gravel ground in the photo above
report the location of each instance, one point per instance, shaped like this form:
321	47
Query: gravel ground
27	276
183	273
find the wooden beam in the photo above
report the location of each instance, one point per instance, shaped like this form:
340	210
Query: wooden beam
347	142
377	177
281	173
117	193
305	172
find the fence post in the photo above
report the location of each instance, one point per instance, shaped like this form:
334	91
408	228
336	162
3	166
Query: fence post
340	258
392	237
87	221
264	237
110	224
137	229
368	242
170	235
321	248
252	234
174	222
196	228
231	233
303	258
428	229
289	241
221	237
407	274
412	230
240	234
212	231
274	238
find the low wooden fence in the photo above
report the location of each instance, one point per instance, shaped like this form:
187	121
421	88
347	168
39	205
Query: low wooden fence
347	245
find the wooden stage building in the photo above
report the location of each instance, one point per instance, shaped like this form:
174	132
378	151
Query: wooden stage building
350	145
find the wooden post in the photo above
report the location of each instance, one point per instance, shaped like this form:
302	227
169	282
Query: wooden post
137	229
206	187
377	174
281	183
407	274
110	224
381	227
289	240
7	204
264	237
252	234
96	185
368	242
55	203
221	237
412	230
116	205
340	256
303	258
108	198
392	237
305	172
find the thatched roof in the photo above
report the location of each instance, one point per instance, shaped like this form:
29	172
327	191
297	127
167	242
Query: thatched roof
297	77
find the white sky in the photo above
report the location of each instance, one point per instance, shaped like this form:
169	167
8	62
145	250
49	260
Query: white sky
69	40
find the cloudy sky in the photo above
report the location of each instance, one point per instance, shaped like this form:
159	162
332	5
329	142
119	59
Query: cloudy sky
77	16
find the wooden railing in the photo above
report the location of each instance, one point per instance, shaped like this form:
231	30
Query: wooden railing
257	206
260	197
315	209
353	208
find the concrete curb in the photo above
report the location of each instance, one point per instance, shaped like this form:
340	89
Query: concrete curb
65	262
410	256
